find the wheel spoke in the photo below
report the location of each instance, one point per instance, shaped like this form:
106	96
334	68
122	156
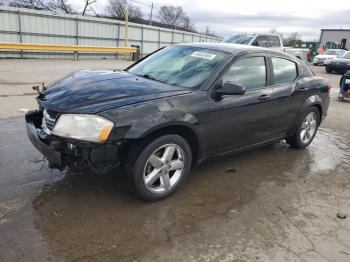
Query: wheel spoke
313	123
176	164
165	180
309	118
302	134
156	162
304	125
152	177
164	168
168	153
307	135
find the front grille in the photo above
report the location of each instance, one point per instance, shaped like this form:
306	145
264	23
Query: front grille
49	119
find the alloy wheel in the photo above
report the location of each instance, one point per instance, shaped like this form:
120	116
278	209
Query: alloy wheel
308	128
164	168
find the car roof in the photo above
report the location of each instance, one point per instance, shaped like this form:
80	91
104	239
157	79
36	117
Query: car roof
235	48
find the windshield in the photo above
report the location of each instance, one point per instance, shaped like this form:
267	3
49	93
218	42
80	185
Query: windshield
239	39
334	52
184	66
347	55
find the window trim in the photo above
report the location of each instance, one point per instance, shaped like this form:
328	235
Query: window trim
237	58
273	80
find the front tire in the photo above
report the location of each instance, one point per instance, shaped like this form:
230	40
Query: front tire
306	130
157	169
328	70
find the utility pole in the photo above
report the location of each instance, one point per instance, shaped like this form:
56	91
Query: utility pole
126	33
151	16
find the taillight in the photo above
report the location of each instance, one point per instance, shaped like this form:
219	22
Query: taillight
329	87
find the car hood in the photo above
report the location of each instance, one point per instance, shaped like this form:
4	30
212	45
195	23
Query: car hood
87	91
340	61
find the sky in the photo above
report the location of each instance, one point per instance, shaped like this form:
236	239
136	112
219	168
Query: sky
254	16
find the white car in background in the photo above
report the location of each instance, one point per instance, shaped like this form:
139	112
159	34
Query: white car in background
327	55
269	40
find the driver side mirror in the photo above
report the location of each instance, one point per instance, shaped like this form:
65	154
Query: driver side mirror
230	88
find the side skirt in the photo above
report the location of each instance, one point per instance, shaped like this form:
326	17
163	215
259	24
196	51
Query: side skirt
241	149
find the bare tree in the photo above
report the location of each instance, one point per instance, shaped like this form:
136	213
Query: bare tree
292	39
87	4
116	8
275	31
50	5
34	4
207	30
210	32
187	24
171	15
65	6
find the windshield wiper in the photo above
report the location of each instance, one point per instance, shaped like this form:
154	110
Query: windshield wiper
148	76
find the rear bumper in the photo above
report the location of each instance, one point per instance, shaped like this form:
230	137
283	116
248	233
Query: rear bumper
338	68
61	152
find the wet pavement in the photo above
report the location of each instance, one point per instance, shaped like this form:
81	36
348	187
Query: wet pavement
270	204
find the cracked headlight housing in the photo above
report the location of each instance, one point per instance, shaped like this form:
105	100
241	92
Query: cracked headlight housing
83	127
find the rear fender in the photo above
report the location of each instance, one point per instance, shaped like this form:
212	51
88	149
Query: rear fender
314	100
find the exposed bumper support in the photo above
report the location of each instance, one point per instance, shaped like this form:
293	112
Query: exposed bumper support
61	152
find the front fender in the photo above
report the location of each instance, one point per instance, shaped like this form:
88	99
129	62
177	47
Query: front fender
155	121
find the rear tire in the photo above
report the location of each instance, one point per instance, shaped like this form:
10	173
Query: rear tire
307	128
158	168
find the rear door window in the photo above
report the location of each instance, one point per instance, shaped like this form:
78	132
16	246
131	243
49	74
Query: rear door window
261	40
274	41
285	71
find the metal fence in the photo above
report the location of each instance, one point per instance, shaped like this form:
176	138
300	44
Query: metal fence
32	26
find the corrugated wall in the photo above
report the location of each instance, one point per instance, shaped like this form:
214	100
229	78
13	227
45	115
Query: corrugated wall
32	26
334	35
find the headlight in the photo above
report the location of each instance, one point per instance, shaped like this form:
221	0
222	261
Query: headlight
84	127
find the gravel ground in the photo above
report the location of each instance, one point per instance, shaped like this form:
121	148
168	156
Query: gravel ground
269	204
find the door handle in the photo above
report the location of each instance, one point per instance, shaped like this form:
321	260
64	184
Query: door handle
303	89
264	97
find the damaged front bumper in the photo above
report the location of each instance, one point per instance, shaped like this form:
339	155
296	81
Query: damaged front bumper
75	154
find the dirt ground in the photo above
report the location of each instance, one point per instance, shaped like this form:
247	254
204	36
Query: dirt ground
270	204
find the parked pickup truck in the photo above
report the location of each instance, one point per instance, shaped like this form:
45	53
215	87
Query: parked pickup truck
270	40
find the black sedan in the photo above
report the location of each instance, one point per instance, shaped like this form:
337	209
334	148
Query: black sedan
339	64
178	107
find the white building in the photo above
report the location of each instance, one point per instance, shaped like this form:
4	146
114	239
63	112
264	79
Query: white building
339	36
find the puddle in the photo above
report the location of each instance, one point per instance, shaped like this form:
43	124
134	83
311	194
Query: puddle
329	151
90	217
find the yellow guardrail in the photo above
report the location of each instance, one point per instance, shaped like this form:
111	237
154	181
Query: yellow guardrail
73	48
